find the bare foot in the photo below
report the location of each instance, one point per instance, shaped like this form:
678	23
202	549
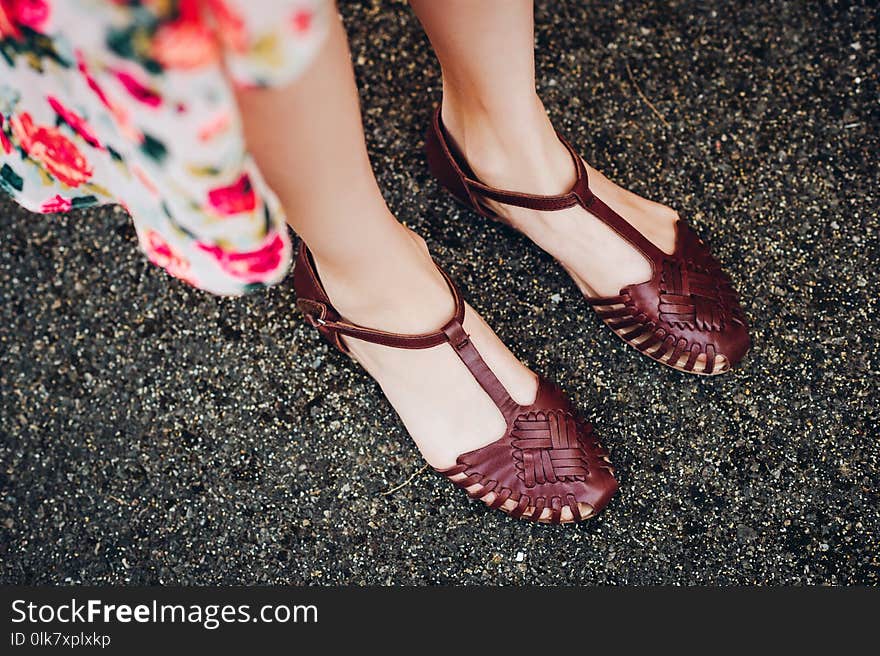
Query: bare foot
439	401
530	158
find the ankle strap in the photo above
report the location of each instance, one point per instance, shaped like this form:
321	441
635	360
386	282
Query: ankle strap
580	194
320	314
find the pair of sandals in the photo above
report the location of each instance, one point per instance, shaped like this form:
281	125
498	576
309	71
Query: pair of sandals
549	466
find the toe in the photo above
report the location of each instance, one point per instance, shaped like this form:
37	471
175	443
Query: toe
586	509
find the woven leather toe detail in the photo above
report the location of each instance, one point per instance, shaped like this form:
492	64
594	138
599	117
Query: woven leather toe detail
549	458
689	308
690	297
548	447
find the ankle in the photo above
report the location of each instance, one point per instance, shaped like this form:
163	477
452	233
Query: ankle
514	148
401	291
470	107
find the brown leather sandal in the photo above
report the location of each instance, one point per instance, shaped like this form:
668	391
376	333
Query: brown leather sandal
548	458
687	308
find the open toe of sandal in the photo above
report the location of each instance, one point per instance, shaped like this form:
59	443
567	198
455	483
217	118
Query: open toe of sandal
687	316
547	467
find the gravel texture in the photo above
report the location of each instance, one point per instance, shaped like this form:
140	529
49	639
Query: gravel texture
152	433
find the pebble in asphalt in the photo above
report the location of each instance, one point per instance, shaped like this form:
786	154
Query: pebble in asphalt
152	433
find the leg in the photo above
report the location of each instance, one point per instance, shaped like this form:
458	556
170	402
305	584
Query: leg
492	111
307	139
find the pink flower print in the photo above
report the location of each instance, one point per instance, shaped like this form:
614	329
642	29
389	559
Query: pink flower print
4	140
123	120
8	28
249	265
52	150
31	13
57	204
75	121
144	179
301	21
230	25
160	253
90	80
15	14
235	198
187	42
139	91
217	125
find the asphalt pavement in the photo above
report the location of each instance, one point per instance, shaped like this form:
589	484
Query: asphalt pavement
152	433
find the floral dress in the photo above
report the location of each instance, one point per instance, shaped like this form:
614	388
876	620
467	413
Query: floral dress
130	102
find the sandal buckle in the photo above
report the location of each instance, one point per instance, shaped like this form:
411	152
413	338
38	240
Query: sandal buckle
313	321
312	318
